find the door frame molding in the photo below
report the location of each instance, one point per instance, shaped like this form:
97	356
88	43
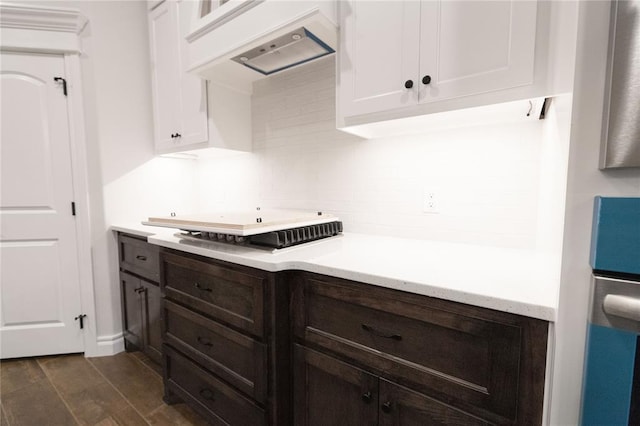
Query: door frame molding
53	30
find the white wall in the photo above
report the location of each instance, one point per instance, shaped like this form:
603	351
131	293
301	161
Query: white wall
127	183
584	182
487	178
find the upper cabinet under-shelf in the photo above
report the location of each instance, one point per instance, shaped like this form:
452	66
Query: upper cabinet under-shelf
426	57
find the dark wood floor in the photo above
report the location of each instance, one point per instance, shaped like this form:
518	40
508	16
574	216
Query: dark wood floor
124	389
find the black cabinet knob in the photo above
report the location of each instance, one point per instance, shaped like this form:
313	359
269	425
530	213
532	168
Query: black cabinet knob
366	397
408	84
426	79
386	407
207	394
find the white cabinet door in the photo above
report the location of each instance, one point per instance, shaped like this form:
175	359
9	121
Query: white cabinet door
165	71
472	47
193	89
447	49
378	55
40	291
179	99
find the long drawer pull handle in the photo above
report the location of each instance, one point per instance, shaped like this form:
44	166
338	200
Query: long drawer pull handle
207	394
141	257
378	333
204	341
199	287
139	290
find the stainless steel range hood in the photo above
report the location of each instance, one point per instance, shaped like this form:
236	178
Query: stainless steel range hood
235	48
294	48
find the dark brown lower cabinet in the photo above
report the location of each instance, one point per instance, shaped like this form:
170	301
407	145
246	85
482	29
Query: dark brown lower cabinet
141	316
435	362
329	392
226	338
140	294
247	347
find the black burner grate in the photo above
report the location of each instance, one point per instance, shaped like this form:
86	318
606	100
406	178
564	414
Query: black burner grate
276	239
295	236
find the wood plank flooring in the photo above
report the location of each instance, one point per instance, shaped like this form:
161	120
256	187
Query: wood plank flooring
124	389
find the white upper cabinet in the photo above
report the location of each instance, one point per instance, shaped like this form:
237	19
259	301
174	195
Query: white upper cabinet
471	47
179	99
411	56
379	51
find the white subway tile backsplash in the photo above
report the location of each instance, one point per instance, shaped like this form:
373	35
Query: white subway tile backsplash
487	177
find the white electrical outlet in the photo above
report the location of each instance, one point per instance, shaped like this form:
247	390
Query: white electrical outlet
430	202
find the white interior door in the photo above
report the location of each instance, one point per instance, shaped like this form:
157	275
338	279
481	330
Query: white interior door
40	291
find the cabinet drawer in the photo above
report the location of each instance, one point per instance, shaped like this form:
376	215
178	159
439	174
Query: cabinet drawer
139	257
210	396
229	295
234	357
453	352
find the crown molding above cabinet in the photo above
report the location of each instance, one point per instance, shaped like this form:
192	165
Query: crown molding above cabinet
51	29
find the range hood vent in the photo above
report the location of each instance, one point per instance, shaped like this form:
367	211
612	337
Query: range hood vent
262	38
294	48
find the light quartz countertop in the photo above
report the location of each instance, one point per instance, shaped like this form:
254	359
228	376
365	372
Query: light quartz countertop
519	281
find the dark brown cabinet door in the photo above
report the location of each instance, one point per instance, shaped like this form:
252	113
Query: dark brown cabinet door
328	392
141	316
151	298
487	363
130	288
400	406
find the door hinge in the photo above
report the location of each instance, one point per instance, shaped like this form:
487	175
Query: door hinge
81	318
73	208
64	84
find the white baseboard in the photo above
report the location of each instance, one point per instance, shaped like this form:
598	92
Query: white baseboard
107	345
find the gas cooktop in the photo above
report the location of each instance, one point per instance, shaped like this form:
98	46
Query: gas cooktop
261	228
